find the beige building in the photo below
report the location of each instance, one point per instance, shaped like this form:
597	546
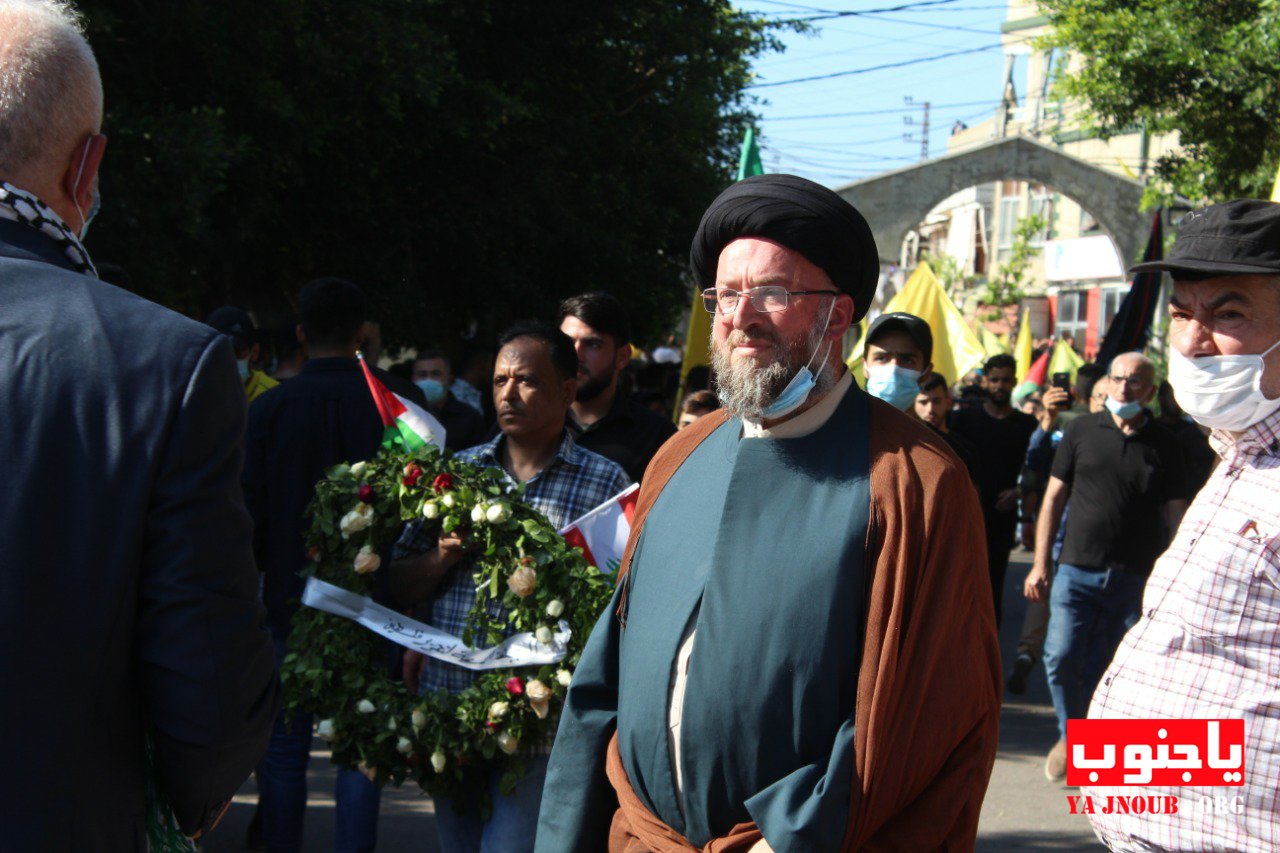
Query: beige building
1078	269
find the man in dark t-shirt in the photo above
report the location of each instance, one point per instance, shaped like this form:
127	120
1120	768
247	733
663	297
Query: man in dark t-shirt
1126	479
999	434
933	406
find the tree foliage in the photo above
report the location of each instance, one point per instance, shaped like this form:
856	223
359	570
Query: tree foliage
1207	69
466	163
1005	287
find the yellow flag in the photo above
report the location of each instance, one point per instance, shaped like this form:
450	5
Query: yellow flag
697	343
956	349
1064	360
1022	350
1275	190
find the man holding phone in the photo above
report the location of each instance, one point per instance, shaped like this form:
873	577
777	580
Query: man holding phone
1000	434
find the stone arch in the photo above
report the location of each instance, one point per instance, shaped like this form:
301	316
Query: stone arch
898	201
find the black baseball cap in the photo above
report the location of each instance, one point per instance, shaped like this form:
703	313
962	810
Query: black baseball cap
900	321
233	321
1233	238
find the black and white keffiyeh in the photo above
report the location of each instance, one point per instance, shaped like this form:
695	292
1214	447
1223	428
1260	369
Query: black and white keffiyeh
18	205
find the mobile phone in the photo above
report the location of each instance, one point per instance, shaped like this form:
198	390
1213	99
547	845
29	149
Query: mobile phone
1062	380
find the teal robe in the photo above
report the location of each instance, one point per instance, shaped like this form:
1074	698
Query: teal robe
762	544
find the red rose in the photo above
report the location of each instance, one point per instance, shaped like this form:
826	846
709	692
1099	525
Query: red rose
313	553
366	493
515	686
442	483
412	473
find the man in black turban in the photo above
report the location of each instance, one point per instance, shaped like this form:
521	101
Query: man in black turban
801	653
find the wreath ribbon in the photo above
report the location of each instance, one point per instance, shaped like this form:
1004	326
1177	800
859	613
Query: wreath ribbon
517	650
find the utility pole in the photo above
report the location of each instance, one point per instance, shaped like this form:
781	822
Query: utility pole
924	127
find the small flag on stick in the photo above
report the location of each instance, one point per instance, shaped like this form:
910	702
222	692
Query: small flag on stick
406	422
602	533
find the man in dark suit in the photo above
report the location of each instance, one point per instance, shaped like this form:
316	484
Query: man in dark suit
128	599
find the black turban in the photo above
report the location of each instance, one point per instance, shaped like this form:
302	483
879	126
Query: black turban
803	216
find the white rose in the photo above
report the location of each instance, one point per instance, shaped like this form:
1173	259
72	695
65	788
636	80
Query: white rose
366	707
448	500
367	561
555	608
508	743
563	677
358	469
324	731
539	697
404	746
438	761
498	710
522	581
477	513
430	509
419	720
391	724
498	513
359	518
544	635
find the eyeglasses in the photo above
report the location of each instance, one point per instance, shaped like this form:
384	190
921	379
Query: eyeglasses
1137	380
766	298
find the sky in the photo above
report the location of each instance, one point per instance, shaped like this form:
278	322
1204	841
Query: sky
851	126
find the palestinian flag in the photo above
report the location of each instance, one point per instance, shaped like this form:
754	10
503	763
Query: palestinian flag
602	533
407	423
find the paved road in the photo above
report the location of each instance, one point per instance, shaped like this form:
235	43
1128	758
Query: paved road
1023	811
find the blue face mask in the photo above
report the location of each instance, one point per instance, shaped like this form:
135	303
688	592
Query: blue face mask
897	386
1123	411
801	385
432	390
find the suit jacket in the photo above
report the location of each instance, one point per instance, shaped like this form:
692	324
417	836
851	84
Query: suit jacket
128	596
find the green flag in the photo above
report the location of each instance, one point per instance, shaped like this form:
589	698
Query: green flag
749	160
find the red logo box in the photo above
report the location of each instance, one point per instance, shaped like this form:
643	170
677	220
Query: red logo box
1169	753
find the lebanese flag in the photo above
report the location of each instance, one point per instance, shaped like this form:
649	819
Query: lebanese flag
602	533
404	419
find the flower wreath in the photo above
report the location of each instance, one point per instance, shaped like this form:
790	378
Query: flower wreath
527	579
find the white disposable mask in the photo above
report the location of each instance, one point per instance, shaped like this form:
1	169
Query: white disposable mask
802	384
1221	391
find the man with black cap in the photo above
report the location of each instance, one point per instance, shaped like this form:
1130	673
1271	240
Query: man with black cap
235	324
898	352
798	655
1207	644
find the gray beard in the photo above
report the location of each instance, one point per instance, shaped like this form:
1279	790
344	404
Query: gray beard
746	390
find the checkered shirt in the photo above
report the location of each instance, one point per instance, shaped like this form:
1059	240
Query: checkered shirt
1208	646
576	482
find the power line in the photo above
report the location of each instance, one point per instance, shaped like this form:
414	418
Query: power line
950	27
868	70
828	14
987	102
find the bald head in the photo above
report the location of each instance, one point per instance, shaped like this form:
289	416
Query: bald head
50	92
1132	377
1130	363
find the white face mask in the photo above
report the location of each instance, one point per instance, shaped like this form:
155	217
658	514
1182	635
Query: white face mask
1221	391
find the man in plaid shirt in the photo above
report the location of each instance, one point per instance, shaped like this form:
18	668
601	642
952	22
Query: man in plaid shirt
1207	645
534	382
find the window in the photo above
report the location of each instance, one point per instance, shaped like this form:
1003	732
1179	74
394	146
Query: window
1041	204
1111	299
1010	207
1072	316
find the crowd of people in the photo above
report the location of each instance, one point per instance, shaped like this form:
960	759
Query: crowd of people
801	651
